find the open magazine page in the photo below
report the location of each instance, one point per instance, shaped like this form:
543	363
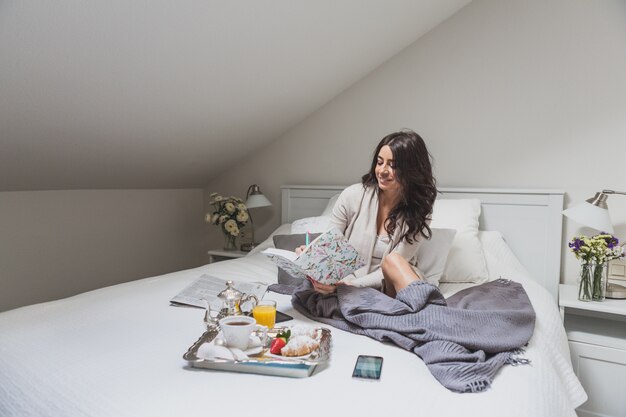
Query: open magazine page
328	259
208	287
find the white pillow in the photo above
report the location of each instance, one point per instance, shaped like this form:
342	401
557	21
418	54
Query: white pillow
501	261
466	260
317	224
328	211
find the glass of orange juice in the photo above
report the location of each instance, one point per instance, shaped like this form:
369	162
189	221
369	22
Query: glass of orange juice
265	313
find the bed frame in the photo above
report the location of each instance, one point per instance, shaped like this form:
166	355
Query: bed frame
529	220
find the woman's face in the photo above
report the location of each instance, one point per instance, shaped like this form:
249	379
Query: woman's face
385	171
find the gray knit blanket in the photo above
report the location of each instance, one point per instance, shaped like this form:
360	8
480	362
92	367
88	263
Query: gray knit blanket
463	340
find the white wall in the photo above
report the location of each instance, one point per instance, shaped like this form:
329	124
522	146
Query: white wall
507	93
54	244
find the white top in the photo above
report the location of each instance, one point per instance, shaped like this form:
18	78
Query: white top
355	215
380	246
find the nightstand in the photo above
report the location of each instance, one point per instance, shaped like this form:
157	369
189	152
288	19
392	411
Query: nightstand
596	332
222	255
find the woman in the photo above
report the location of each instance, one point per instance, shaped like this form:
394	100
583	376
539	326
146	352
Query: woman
386	217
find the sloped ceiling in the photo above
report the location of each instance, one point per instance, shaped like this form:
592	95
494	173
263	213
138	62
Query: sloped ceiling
168	93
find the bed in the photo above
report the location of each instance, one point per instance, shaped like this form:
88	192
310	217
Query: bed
118	351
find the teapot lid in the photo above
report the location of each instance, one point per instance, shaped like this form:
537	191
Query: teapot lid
230	293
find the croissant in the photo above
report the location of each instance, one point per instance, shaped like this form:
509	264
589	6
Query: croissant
299	346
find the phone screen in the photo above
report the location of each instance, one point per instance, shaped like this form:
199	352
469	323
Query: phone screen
368	367
281	317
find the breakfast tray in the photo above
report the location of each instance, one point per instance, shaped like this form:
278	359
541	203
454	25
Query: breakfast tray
264	363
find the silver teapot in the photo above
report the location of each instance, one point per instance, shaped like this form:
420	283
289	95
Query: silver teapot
231	301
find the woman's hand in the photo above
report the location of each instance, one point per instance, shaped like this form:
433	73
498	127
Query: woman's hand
300	249
324	288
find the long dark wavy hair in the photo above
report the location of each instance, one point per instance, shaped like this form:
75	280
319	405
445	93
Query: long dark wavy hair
413	170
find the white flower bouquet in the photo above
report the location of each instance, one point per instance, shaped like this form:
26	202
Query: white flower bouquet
230	214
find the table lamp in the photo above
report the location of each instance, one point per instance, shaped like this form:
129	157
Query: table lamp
594	213
254	199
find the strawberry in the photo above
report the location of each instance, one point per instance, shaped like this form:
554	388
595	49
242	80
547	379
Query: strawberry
277	345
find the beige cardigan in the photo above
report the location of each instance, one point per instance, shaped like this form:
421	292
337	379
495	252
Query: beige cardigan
355	215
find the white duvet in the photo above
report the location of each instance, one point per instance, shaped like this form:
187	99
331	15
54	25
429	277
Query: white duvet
118	352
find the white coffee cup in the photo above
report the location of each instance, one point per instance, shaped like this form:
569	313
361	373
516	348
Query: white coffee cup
237	330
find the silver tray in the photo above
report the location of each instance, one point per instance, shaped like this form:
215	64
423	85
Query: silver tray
264	363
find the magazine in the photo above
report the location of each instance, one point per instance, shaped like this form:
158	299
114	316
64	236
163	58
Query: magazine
327	260
208	287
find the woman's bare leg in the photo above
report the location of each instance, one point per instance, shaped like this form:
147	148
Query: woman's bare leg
398	273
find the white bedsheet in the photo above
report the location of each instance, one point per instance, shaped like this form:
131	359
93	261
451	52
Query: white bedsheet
118	352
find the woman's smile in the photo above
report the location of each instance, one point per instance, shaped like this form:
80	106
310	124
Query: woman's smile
385	170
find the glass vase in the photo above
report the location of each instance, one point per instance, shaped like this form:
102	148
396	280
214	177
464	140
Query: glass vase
230	242
593	281
600	281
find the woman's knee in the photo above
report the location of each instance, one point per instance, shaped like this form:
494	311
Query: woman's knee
393	262
398	270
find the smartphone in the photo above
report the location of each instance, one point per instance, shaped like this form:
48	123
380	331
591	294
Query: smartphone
281	317
368	367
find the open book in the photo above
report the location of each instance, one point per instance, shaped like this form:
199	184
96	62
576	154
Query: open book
327	259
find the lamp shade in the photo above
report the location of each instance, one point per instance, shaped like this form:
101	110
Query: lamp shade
591	215
255	198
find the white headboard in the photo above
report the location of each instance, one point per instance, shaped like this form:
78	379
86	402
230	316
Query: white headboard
529	220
